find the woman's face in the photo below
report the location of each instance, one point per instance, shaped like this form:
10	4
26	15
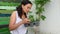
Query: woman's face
26	7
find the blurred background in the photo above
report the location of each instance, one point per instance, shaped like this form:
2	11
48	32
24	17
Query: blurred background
6	8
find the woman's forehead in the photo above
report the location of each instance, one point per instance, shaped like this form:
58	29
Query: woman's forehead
28	5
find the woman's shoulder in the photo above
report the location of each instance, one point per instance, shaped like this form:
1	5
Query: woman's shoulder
14	12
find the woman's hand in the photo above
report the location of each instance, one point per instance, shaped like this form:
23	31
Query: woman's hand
26	20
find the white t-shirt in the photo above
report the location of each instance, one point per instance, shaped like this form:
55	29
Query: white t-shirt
21	29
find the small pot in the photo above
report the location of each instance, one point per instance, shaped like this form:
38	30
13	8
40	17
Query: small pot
31	24
36	23
26	25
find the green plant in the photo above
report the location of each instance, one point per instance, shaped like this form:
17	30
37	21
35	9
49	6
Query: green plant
40	8
31	17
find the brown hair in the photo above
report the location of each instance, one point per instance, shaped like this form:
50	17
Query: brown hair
19	8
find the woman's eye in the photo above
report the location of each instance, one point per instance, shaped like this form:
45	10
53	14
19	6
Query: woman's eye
29	8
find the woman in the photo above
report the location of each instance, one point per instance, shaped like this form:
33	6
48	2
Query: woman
19	18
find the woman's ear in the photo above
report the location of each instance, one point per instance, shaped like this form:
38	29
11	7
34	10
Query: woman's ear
22	6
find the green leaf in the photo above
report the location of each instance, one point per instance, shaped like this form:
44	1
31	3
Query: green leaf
40	10
31	18
43	17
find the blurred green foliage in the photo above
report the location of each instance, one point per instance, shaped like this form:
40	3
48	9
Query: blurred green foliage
9	4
